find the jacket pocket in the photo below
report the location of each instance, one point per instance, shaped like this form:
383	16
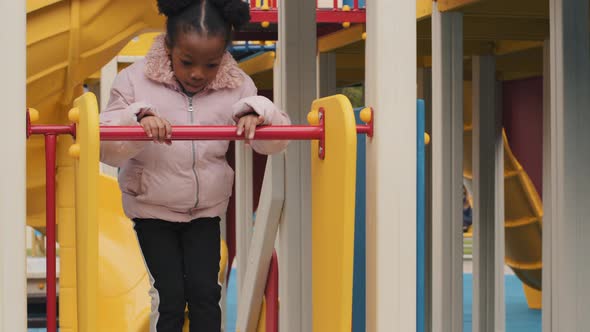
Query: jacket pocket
130	180
215	185
176	192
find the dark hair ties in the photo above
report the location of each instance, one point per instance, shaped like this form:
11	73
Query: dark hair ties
214	17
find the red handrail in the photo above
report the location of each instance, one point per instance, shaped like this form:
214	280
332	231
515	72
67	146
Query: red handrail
184	133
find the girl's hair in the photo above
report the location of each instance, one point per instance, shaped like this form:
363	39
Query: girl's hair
209	17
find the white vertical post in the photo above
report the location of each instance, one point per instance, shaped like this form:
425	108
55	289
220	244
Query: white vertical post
391	166
272	198
13	298
570	161
244	209
108	73
326	79
447	171
547	192
297	89
488	194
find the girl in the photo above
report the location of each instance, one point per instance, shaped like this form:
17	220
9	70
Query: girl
176	192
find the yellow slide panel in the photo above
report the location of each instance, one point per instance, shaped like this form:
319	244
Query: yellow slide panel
67	41
333	204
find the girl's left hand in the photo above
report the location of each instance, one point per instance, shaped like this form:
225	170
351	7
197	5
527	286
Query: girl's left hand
247	125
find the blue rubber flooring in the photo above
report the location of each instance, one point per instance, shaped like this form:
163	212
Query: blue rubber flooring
519	318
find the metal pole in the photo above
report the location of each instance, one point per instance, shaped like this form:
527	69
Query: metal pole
50	143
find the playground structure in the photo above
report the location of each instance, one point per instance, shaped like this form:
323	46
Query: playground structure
335	132
93	37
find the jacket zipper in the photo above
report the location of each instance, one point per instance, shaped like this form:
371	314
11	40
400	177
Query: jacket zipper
190	110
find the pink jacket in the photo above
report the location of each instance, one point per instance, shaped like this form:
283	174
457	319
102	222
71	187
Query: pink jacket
186	180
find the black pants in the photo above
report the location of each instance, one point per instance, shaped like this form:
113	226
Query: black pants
183	262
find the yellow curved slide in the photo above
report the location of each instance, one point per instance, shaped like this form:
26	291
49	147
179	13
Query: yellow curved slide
67	41
523	214
123	281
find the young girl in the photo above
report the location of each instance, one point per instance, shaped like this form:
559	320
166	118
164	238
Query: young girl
176	192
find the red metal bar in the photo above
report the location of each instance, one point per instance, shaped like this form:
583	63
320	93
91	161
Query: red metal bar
180	133
335	4
356	4
189	133
52	129
323	15
363	129
252	3
50	147
271	294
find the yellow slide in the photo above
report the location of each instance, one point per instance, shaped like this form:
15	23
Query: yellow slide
523	214
123	281
67	41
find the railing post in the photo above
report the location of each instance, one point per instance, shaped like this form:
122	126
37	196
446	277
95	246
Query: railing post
87	172
50	147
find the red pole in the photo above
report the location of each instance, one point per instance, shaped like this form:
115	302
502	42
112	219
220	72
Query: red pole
356	4
335	4
363	129
52	130
272	295
189	133
252	4
50	143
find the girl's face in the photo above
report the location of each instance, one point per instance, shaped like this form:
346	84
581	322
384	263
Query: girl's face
196	60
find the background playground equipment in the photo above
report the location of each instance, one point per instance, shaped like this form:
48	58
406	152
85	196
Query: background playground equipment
106	277
55	75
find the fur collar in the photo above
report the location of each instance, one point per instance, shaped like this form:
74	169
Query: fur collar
159	68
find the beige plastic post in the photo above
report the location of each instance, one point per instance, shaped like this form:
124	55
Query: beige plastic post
13	294
488	192
391	166
244	211
256	265
566	241
447	172
296	89
108	73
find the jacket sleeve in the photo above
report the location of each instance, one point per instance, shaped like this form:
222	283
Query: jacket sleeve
122	110
249	102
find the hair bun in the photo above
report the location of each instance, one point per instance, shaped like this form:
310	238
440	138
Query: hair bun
235	12
173	7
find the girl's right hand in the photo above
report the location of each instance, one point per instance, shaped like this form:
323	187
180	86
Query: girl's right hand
157	128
